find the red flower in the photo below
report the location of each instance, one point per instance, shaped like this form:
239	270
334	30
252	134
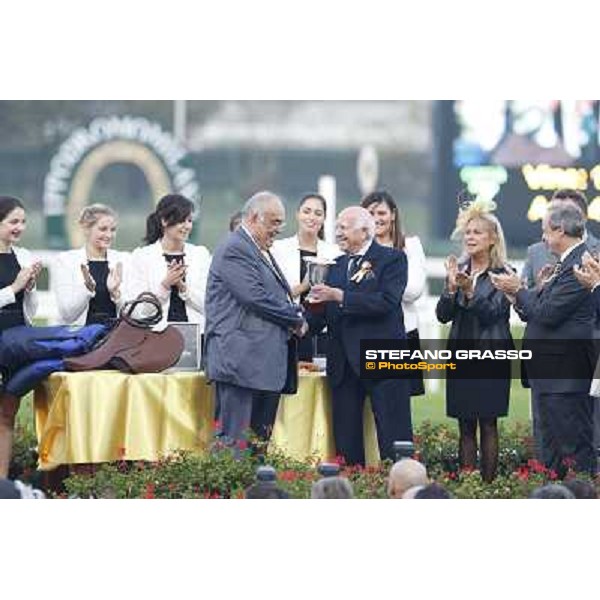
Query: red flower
242	444
217	425
149	491
288	475
536	466
552	474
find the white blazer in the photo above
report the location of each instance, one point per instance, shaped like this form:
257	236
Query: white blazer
287	254
417	279
30	300
148	269
72	296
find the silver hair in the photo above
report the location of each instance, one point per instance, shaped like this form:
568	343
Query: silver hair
258	202
332	488
566	216
363	219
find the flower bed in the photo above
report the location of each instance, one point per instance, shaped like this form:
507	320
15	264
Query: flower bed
219	475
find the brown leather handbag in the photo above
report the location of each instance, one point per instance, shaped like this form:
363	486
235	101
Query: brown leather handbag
132	346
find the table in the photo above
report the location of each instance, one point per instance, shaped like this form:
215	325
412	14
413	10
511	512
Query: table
104	416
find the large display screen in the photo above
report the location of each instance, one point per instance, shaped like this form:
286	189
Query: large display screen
516	152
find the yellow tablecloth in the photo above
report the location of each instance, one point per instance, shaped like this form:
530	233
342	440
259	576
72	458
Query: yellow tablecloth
103	416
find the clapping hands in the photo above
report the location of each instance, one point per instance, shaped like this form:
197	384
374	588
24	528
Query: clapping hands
589	272
89	281
26	278
451	265
113	281
509	283
175	276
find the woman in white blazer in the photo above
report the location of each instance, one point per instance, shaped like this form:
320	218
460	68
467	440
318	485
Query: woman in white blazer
308	241
170	267
389	232
89	281
18	304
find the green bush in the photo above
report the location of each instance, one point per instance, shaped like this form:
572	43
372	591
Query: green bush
24	459
219	475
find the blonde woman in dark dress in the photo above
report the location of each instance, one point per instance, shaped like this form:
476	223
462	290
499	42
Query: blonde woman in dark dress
18	304
479	313
89	281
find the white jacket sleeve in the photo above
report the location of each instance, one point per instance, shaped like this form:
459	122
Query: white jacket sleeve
417	275
30	304
72	296
30	300
198	276
141	265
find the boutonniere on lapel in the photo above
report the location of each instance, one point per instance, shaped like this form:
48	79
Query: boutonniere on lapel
365	271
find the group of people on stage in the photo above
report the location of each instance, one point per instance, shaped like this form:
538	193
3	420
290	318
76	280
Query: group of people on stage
249	299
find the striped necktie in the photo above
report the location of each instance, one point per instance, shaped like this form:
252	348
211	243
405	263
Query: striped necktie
353	263
557	268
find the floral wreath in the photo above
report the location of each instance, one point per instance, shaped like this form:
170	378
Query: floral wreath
365	270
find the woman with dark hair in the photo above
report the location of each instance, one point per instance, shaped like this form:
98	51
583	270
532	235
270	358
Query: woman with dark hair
18	304
307	242
90	279
168	265
389	232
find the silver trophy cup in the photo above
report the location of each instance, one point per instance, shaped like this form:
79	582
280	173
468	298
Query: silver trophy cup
317	271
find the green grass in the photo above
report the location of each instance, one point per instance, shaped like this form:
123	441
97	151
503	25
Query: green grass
432	407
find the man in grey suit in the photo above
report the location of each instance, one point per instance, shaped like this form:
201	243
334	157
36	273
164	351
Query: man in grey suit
538	266
250	316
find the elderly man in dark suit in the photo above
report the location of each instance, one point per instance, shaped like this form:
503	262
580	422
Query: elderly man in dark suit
538	266
363	294
560	319
250	317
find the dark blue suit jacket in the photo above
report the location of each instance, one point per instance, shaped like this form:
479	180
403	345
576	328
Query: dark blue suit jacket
563	310
371	308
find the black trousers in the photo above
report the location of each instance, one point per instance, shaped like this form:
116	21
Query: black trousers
390	400
566	421
264	411
541	451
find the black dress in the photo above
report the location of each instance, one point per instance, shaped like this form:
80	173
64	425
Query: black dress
101	308
177	311
11	315
305	344
482	322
